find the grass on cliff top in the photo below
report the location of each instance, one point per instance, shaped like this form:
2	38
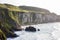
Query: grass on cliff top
35	9
12	8
3	6
18	9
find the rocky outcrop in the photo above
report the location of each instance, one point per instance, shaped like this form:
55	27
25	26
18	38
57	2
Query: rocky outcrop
30	29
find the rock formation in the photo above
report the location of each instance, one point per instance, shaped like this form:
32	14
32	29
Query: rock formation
30	29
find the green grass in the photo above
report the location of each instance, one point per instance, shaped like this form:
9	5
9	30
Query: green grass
3	6
12	8
2	35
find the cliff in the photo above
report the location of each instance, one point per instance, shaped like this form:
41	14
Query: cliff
9	20
12	17
37	15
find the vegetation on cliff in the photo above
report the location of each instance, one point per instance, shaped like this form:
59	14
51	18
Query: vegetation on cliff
8	20
2	35
35	9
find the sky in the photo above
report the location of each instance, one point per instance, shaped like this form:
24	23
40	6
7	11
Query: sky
51	5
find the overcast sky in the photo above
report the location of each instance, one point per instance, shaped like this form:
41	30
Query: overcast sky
52	5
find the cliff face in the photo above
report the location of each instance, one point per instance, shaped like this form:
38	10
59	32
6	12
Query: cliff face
8	21
37	15
35	18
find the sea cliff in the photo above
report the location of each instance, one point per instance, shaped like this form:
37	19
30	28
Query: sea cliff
12	17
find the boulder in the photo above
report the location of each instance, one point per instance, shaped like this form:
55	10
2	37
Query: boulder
30	29
12	35
38	29
17	29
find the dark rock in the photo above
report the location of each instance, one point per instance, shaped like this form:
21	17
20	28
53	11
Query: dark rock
38	29
30	29
17	29
12	35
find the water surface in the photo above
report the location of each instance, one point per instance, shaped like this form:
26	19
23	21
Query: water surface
48	31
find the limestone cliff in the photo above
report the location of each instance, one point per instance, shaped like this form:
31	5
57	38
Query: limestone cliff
37	15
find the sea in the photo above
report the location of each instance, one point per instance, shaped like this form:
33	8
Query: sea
48	31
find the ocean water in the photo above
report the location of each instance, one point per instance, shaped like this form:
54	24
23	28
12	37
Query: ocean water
48	31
